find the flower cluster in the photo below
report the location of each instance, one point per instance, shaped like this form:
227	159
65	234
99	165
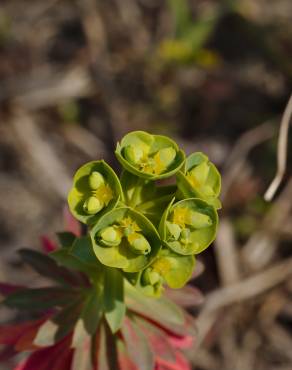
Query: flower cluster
149	231
106	309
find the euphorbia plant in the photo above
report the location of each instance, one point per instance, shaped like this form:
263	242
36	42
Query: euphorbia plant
108	308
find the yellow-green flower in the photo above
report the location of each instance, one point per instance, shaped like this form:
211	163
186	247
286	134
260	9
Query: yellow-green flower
200	179
189	226
168	268
96	190
149	156
124	238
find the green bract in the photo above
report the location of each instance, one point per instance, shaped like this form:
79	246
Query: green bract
96	190
149	156
188	226
124	238
200	179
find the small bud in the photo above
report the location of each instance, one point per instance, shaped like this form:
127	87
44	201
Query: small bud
128	231
185	235
92	205
110	236
200	172
95	180
133	154
166	156
174	229
199	220
151	277
139	244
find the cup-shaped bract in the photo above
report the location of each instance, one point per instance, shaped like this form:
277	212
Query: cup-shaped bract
200	179
188	226
124	238
96	190
149	156
168	268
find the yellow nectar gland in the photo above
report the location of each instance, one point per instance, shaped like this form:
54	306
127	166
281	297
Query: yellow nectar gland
104	194
153	165
181	216
162	266
131	225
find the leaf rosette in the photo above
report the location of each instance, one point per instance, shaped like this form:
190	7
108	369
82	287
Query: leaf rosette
125	239
188	226
200	179
168	268
96	190
149	156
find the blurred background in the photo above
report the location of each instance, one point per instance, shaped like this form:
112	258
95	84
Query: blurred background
76	75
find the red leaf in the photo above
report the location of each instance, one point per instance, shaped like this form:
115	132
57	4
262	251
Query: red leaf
105	351
6	353
6	288
158	340
20	366
187	296
57	357
48	245
71	224
180	363
25	341
137	345
181	342
10	334
124	360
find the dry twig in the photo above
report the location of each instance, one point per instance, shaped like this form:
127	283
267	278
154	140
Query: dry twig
282	152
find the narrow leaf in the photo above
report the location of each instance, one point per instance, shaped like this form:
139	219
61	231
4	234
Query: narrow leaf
46	266
82	356
137	345
162	310
66	239
93	310
6	288
83	250
46	334
114	304
40	298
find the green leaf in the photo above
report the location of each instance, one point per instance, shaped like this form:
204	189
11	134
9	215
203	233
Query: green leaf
162	224
114	304
105	352
81	191
40	298
132	187
64	258
66	239
93	310
59	325
83	250
161	310
46	266
137	345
